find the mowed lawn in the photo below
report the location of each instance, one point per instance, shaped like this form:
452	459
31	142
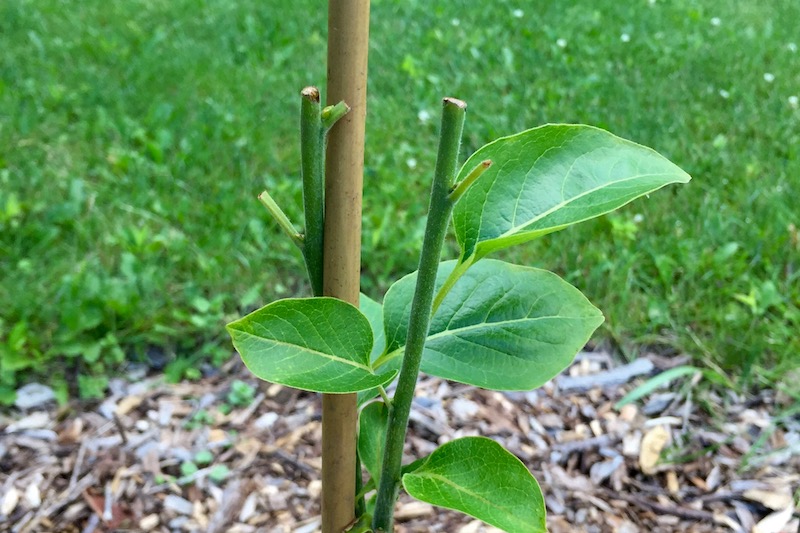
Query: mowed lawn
136	134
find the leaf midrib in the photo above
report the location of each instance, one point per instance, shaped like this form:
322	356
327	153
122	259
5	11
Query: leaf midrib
563	203
480	325
311	350
399	350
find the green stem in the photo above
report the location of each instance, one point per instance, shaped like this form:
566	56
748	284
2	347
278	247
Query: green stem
441	207
312	157
314	124
281	218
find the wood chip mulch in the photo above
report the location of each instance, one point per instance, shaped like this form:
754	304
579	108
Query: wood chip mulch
163	457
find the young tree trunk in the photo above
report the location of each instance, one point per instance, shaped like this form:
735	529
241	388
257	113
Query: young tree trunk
348	34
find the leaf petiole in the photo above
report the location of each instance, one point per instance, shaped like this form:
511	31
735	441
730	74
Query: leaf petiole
281	218
386	357
451	280
386	399
461	187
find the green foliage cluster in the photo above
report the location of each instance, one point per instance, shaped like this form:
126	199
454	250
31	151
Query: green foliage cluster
132	135
473	320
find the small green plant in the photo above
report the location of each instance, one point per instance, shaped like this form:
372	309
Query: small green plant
241	394
218	473
199	419
188	468
472	320
203	458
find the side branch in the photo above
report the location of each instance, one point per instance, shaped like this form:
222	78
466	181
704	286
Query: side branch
281	218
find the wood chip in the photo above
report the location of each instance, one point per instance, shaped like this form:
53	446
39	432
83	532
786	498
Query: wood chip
612	378
410	510
653	443
149	522
673	485
33	496
178	505
128	404
775	522
775	500
9	501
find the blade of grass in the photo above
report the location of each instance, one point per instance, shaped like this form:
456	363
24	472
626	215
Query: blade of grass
654	383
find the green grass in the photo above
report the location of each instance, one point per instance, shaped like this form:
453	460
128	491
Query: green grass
135	136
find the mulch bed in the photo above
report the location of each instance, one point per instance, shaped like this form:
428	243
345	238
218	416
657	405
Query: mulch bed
685	459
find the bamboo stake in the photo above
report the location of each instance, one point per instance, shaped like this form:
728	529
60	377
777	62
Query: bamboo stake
348	35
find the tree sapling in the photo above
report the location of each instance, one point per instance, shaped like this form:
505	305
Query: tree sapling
473	320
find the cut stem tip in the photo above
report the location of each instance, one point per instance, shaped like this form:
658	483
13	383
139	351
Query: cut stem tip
310	93
449	100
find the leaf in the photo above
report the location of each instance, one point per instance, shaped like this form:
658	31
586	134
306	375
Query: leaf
501	326
547	178
372	437
203	457
219	473
188	468
374	313
477	476
314	344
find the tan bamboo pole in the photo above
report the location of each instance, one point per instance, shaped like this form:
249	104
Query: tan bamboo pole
348	36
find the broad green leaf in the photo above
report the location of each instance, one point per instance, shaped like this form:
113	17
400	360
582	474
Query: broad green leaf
314	344
374	313
550	177
501	326
372	436
477	476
